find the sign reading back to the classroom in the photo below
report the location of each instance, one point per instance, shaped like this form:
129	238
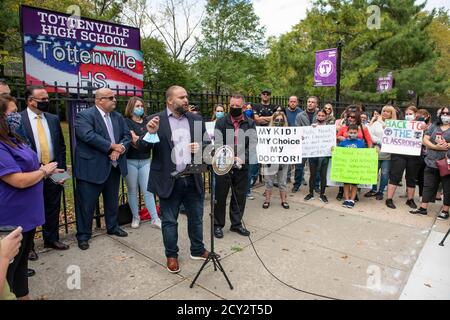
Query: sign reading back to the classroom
403	137
354	165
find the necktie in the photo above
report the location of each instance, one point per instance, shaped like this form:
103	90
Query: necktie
110	133
43	141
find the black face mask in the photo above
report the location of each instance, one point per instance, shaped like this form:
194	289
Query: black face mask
235	112
180	110
43	106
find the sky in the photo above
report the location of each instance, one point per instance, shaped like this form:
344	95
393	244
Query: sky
280	15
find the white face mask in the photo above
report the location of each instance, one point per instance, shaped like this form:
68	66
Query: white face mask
409	117
445	119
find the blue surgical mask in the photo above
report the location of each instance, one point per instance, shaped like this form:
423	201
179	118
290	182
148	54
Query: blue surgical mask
249	113
220	114
138	112
14	119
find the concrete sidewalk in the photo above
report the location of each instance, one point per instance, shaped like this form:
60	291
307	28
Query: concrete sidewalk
364	253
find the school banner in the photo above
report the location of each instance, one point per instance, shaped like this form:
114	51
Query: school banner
403	137
318	141
354	165
279	145
75	50
385	84
325	69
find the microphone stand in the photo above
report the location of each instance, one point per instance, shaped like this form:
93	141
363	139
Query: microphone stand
443	240
212	256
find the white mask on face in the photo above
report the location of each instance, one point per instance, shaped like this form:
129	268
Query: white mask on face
409	117
445	119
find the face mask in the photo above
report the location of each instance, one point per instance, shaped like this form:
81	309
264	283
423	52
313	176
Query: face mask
353	136
409	117
235	112
278	123
43	106
220	114
249	113
138	112
445	119
421	119
14	120
180	110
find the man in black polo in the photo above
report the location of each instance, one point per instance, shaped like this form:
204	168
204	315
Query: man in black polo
265	110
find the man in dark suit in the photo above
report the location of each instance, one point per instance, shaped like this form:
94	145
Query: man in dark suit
102	139
43	131
178	144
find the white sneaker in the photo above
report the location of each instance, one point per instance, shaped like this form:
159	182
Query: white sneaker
135	223
156	223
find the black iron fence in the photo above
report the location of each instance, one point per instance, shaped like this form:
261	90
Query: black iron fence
62	95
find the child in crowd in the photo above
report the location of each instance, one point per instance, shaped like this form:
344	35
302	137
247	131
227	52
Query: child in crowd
352	141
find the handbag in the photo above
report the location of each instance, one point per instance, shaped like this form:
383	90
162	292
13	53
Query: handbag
124	216
443	166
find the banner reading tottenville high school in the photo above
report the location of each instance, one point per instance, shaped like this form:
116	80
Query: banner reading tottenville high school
318	141
62	48
279	145
354	165
403	137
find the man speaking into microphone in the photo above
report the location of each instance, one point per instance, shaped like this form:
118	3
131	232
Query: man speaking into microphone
174	144
239	133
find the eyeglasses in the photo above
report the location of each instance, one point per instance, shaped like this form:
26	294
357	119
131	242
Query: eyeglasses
111	98
351	117
445	113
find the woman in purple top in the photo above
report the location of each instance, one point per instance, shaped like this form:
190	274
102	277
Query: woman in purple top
21	195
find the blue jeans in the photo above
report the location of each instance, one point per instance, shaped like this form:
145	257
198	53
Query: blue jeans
184	192
385	166
299	169
138	175
253	170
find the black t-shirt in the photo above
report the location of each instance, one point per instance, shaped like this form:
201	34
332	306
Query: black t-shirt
140	130
310	116
263	110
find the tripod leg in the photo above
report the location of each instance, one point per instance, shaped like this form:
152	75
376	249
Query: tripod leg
223	271
443	240
200	271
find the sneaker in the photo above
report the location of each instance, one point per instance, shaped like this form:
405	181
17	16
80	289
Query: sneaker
295	189
379	196
390	204
323	198
309	197
346	203
156	223
135	223
410	203
370	194
443	215
351	204
250	197
339	196
421	211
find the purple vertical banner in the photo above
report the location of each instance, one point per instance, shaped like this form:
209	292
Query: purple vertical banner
385	84
325	70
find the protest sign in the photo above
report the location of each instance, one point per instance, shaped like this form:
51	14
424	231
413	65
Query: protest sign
318	141
79	51
402	137
354	165
279	145
331	183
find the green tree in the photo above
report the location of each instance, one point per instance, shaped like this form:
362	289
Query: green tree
230	54
402	45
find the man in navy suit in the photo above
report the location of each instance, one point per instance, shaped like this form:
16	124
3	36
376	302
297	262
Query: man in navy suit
178	144
43	132
102	139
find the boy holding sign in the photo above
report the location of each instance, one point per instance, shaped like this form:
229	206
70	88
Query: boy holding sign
352	141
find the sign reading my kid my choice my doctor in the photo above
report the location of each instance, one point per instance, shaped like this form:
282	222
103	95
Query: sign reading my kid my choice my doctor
403	137
62	48
279	145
